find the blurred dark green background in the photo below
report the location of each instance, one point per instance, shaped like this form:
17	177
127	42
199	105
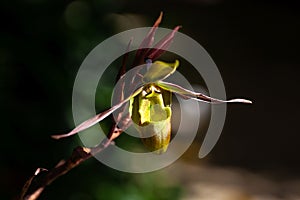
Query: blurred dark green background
255	44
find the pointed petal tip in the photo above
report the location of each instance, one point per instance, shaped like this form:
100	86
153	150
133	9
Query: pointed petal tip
56	137
177	28
161	14
241	101
248	101
39	170
158	21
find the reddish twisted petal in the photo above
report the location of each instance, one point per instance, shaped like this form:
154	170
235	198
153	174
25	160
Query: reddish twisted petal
121	85
115	129
144	47
162	45
122	70
148	41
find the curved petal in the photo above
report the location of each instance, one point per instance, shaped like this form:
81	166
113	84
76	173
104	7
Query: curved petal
197	96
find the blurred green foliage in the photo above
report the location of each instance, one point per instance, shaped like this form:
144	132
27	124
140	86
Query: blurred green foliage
100	182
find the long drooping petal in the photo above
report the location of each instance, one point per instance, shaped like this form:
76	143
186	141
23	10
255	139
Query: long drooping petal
115	130
196	95
92	121
120	87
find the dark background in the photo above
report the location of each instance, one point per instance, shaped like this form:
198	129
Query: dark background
255	45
